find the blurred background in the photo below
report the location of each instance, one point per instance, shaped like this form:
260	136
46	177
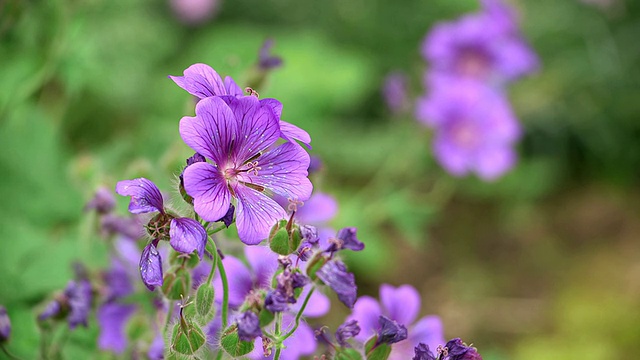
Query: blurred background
542	264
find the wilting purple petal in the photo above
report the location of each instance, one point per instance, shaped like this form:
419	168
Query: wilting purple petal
346	331
211	197
428	330
79	296
366	311
348	239
5	325
103	201
248	326
334	274
212	132
227	219
283	170
240	281
187	235
422	352
459	351
319	209
52	309
402	304
145	196
129	227
201	80
390	332
264	264
256	215
151	266
276	301
112	318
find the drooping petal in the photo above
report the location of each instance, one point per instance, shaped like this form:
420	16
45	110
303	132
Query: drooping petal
151	266
208	188
291	133
347	330
319	209
256	214
366	311
428	330
264	264
283	170
334	274
390	331
145	196
239	278
402	303
112	318
257	127
187	235
201	80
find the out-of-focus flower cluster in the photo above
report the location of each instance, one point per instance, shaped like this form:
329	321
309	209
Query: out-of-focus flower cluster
471	62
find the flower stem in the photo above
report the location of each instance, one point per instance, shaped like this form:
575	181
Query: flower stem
276	333
299	315
225	284
214	262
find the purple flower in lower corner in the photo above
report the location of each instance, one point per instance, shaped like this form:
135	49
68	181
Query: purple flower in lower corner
457	350
5	325
184	234
202	81
402	305
475	129
239	135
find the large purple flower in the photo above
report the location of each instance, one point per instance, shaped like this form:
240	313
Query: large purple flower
239	135
185	234
401	304
202	81
475	127
485	46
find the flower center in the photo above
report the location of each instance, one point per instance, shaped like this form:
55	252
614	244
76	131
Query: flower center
473	63
464	134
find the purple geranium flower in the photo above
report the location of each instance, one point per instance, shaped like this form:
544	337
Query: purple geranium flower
239	135
401	304
202	81
185	234
483	46
475	127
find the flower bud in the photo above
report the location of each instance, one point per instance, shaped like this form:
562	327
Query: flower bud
187	338
248	326
231	343
284	239
204	299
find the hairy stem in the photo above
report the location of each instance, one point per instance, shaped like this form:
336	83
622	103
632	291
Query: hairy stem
225	284
299	315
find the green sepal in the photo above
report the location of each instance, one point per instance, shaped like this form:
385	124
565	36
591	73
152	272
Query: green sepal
347	354
187	338
379	352
232	344
279	241
177	284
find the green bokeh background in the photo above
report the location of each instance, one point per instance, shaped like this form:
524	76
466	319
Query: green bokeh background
542	264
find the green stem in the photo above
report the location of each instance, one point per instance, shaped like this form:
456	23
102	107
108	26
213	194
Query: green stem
299	315
214	263
219	228
225	284
276	333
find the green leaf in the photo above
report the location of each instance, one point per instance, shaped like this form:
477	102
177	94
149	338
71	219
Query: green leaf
232	344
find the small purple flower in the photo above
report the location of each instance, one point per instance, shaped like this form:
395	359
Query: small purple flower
402	305
484	46
457	350
103	201
394	92
346	331
202	81
422	352
248	326
239	135
194	12
390	332
267	61
151	266
5	325
334	274
475	127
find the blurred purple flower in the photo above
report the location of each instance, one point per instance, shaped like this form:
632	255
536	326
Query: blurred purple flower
475	127
103	201
202	81
194	12
267	61
484	46
394	92
74	302
239	135
401	304
5	325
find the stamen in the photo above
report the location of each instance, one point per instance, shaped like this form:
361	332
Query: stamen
251	92
293	205
253	167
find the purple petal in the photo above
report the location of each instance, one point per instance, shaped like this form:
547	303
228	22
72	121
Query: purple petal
334	274
240	281
319	209
283	170
79	296
274	105
427	330
366	311
187	235
208	188
495	162
298	346
201	80
231	87
151	266
117	280
156	349
291	132
248	326
212	131
145	196
257	127
256	215
402	303
318	305
103	201
112	318
390	331
264	264
346	331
